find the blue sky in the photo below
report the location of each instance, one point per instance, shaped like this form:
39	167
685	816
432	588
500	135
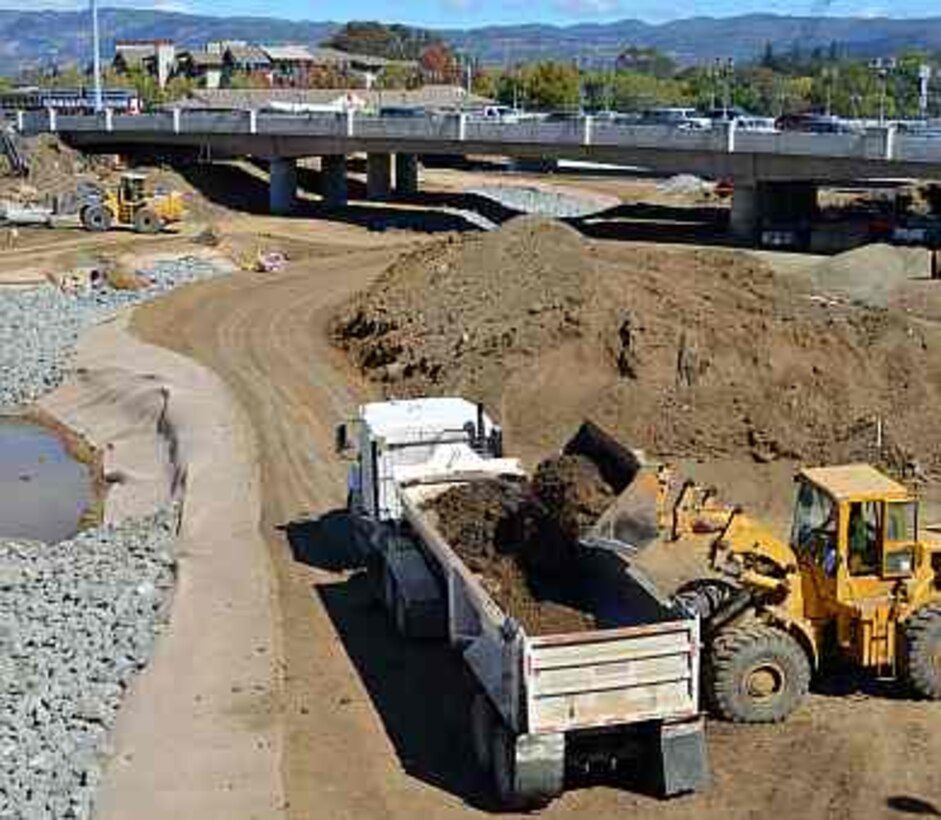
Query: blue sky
460	13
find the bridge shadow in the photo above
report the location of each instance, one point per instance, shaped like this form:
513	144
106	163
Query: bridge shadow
236	187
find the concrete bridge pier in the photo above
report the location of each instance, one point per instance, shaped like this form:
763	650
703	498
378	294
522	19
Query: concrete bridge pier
378	176
406	174
333	180
745	218
282	186
788	205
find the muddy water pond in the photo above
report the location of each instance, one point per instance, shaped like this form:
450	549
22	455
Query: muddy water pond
43	490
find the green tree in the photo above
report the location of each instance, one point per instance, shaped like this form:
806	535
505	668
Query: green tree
398	75
552	86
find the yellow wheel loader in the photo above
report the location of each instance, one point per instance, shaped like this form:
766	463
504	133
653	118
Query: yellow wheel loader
131	206
859	578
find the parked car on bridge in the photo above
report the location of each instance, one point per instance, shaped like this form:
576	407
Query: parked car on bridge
499	113
686	119
756	125
403	111
810	123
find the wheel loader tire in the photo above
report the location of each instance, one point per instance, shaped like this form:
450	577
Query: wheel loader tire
922	651
96	218
704	596
146	221
756	674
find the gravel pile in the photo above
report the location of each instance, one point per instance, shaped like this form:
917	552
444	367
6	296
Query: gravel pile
546	203
77	621
40	326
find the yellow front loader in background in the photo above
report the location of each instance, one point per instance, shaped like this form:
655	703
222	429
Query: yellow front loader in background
859	578
131	206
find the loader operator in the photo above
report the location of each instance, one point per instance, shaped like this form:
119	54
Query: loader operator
863	540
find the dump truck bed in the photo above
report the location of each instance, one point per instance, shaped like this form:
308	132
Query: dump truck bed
640	664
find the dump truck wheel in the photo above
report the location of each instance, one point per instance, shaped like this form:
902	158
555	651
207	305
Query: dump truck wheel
96	218
704	596
146	221
756	674
923	651
483	719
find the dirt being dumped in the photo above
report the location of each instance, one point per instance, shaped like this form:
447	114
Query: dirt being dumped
683	353
521	538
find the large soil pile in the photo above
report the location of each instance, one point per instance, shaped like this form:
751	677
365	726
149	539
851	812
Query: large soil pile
463	310
522	539
695	353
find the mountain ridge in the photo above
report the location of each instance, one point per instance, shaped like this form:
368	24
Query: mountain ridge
32	39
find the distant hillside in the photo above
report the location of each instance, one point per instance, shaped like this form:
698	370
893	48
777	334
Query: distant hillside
31	39
701	39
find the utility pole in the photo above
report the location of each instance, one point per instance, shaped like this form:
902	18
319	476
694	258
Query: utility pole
883	68
714	100
96	57
829	74
727	95
924	80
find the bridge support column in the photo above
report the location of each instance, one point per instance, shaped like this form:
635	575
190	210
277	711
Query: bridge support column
781	206
378	176
745	219
406	174
333	180
282	190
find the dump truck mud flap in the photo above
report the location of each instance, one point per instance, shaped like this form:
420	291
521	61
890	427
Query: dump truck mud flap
684	764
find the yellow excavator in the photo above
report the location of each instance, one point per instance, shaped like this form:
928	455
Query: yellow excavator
859	580
131	206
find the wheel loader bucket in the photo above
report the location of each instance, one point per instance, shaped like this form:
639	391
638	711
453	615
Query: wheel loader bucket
632	521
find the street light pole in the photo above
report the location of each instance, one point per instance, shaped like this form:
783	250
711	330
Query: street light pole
96	58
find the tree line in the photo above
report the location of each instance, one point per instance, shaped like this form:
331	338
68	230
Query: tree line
822	80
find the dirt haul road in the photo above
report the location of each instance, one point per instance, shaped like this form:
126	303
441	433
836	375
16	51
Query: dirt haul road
376	727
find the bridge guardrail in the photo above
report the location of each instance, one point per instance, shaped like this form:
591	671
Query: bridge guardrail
873	144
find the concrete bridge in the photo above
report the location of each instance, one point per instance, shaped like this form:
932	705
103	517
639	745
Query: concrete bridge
776	174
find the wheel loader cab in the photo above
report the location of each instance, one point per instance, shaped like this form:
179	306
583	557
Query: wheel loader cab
131	196
132	188
855	533
852	523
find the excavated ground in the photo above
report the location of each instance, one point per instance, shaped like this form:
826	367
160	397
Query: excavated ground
366	730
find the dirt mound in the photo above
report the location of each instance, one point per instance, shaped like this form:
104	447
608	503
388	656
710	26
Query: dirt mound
871	273
457	311
496	528
682	353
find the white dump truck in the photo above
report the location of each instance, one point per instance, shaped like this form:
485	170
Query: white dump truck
624	694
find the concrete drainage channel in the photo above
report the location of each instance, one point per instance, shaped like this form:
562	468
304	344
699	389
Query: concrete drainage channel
78	618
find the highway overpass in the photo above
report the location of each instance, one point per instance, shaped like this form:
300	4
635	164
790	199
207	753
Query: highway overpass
767	167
